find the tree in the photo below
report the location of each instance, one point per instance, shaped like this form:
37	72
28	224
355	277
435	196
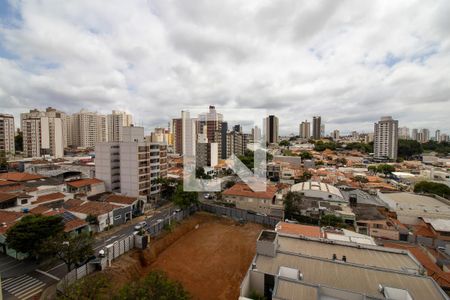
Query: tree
372	168
28	234
284	143
362	147
91	219
96	286
321	146
361	179
305	176
306	155
155	286
184	199
291	203
409	148
3	161
331	220
385	169
18	141
200	173
320	163
71	249
341	161
432	188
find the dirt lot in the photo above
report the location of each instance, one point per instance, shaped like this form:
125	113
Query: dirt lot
209	261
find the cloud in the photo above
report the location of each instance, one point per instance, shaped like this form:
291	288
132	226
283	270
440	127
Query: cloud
349	61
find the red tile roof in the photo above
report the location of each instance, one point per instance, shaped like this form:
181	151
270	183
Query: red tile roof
12	188
90	207
7	196
441	277
121	199
49	197
84	182
20	177
243	190
298	229
7	182
40	209
74	224
8	218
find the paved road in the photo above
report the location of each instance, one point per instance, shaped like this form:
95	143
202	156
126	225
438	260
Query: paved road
22	279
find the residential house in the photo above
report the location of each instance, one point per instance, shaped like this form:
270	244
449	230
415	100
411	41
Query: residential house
87	186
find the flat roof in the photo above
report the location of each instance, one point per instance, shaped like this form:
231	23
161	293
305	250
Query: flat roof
374	256
438	224
316	186
360	279
413	199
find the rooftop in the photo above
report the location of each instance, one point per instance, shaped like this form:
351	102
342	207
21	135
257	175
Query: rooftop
298	229
84	182
438	224
243	190
49	197
20	177
317	186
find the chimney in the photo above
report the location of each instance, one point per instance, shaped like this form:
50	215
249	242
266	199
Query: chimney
344	258
334	256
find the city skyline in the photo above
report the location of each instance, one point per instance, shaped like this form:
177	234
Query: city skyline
296	60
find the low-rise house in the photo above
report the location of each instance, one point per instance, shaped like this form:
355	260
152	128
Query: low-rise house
267	202
20	177
52	199
103	213
87	186
440	228
14	200
371	222
128	207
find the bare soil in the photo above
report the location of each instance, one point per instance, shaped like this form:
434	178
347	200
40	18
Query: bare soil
209	261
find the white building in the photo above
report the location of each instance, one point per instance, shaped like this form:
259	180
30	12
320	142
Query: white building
403	133
7	133
44	132
386	138
88	128
115	122
437	136
335	135
319	190
132	166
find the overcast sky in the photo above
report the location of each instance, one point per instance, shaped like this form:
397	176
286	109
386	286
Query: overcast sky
348	61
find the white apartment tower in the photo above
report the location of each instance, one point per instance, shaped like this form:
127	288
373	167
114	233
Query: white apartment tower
7	133
386	138
88	128
305	130
335	135
44	132
131	167
116	121
403	133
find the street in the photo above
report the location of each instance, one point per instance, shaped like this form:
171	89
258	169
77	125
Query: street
24	279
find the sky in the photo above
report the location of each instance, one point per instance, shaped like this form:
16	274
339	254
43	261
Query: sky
349	61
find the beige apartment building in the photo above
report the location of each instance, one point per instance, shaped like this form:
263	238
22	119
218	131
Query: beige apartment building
88	128
7	133
44	132
115	122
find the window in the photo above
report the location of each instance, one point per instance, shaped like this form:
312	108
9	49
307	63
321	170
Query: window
117	217
24	201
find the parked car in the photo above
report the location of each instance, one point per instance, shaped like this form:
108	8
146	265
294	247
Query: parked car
207	196
291	221
140	225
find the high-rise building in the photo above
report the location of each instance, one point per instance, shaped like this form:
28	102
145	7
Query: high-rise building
425	135
316	127
189	134
160	135
131	167
355	135
444	137
415	134
116	121
403	133
271	129
386	138
177	133
88	128
437	136
44	132
256	134
305	130
322	130
7	134
335	135
206	153
209	123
